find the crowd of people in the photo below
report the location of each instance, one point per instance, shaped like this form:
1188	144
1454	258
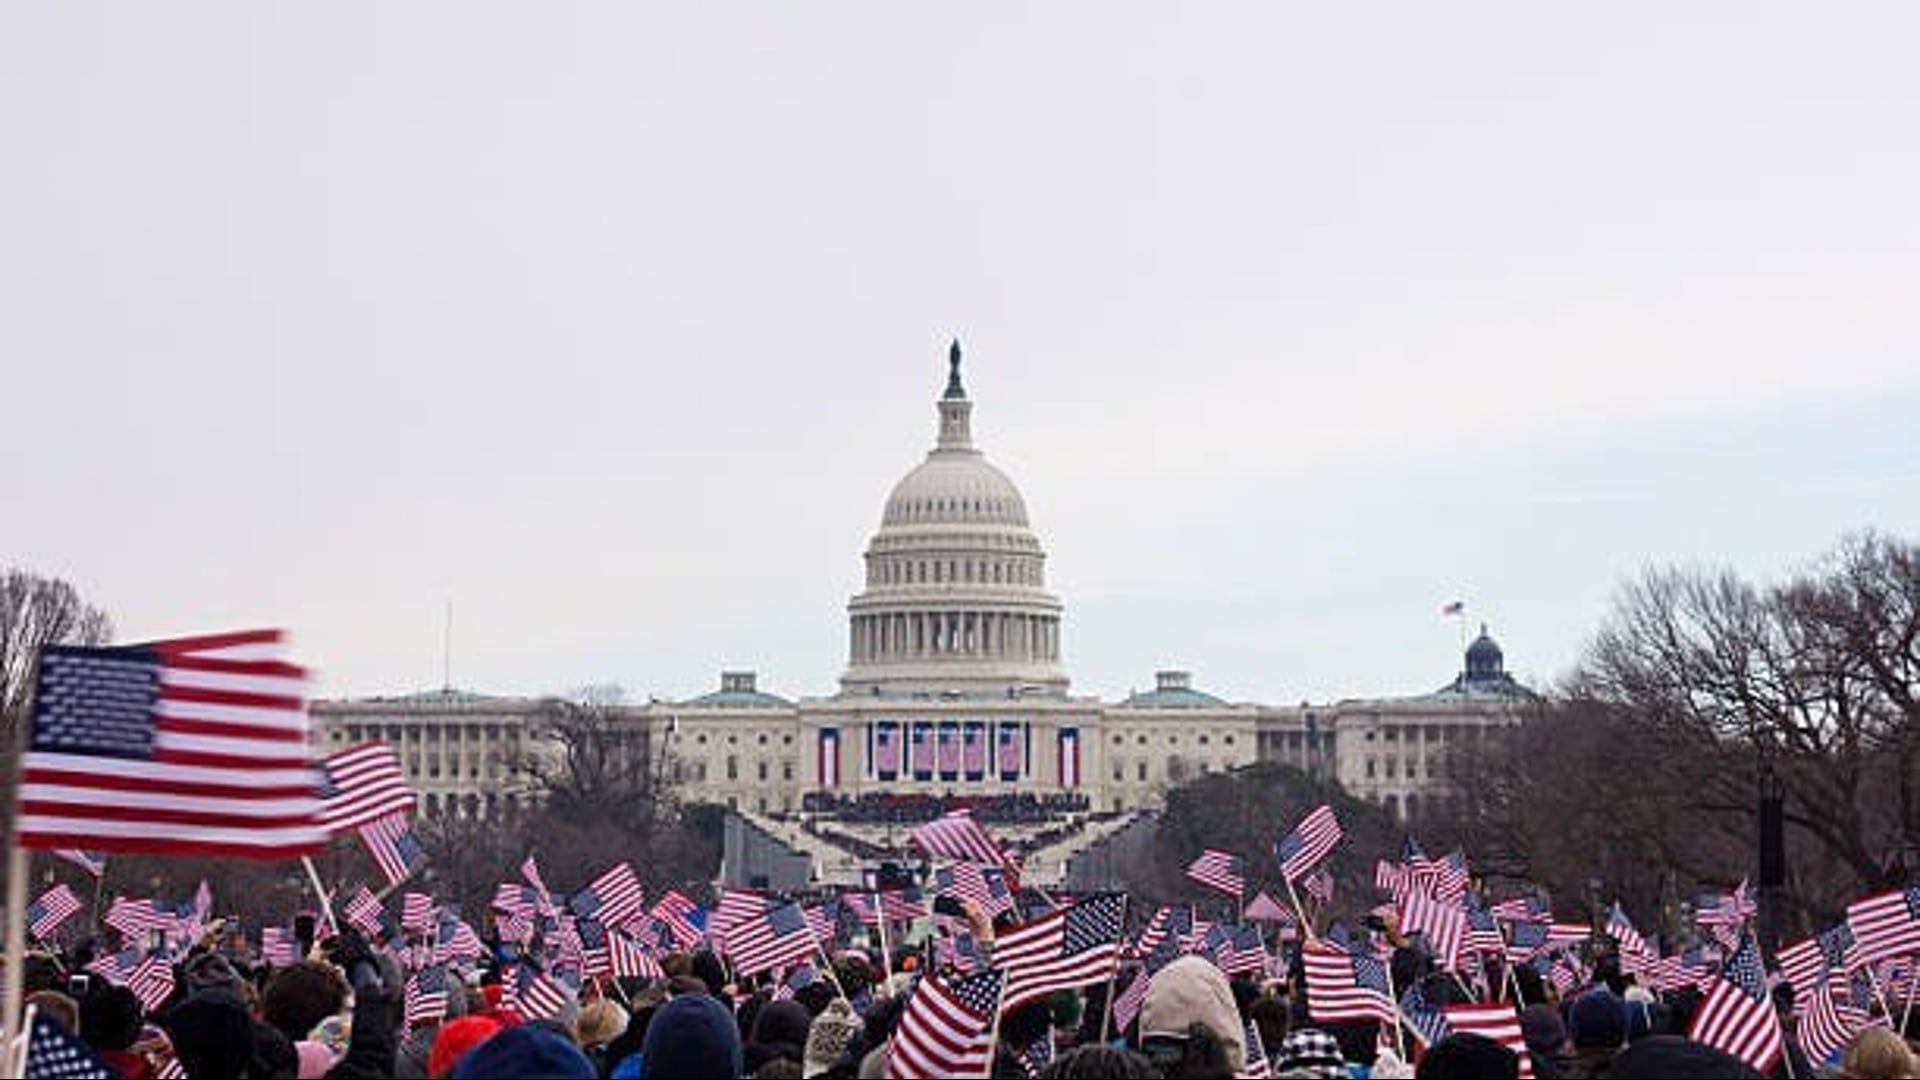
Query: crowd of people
875	808
340	1013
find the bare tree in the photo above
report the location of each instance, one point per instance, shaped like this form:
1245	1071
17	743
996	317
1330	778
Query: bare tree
1697	685
36	612
602	791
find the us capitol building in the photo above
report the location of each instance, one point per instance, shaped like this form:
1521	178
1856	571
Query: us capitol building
955	687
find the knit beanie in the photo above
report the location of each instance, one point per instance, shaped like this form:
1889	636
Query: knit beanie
455	1039
692	1036
532	1050
833	1031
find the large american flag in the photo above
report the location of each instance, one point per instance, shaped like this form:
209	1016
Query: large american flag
947	1028
193	746
1222	870
362	784
1068	947
1310	841
1885	926
956	835
1345	984
1737	1015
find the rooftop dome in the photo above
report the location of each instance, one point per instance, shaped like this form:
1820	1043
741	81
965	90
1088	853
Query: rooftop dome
955	487
955	602
1486	671
1484	658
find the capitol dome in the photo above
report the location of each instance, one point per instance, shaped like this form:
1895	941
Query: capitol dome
955	602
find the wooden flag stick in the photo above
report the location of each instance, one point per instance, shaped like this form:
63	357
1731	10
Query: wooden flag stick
886	951
326	901
16	957
1306	924
388	891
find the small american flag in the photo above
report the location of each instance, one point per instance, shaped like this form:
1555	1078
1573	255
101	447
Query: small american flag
362	784
1828	1022
1724	915
1738	1016
1070	947
55	907
614	897
137	918
1344	983
774	938
1424	1018
536	994
1311	841
417	912
278	946
1885	926
152	981
115	967
958	836
968	881
170	748
1126	1005
1222	870
531	871
1497	1021
677	914
1171	921
426	996
456	941
393	845
947	1027
1444	924
903	905
363	910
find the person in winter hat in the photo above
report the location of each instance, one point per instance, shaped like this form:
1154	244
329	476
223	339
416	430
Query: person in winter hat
532	1050
833	1033
691	1038
1188	992
1309	1054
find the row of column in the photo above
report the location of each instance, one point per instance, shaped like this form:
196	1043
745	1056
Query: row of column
988	635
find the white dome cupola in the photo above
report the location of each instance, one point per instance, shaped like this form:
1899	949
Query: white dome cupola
955	601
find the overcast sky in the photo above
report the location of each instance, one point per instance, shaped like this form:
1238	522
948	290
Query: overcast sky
614	323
